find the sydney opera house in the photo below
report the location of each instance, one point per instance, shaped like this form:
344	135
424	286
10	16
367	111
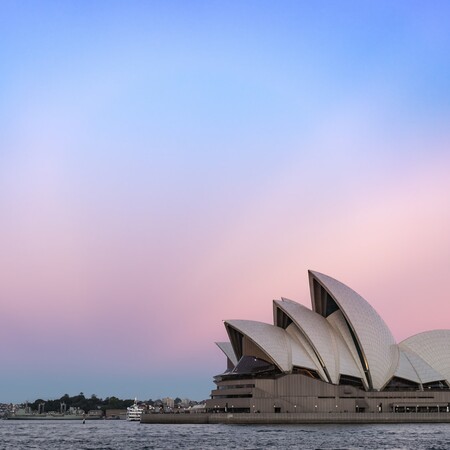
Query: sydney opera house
339	357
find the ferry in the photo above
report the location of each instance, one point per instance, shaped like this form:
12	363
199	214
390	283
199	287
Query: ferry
134	412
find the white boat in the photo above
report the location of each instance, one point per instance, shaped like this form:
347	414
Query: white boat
134	412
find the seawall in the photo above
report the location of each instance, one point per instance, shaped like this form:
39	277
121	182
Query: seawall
296	418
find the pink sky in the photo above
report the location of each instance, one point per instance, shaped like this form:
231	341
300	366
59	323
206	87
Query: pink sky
162	170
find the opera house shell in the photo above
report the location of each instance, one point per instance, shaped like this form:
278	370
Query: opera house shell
339	356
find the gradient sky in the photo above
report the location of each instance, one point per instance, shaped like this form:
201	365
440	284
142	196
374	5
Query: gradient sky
168	165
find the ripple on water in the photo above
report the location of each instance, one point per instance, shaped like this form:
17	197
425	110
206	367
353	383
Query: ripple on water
114	435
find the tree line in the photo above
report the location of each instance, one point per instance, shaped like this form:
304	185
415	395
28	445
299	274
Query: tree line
89	403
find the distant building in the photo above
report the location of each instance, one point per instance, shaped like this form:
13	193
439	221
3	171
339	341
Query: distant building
338	357
200	408
169	402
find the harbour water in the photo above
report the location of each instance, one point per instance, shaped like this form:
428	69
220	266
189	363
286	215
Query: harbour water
112	435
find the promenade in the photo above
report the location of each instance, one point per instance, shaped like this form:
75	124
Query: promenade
296	418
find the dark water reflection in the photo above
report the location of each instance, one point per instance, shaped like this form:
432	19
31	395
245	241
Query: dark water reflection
112	435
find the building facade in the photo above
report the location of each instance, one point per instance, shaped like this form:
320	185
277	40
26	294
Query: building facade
338	357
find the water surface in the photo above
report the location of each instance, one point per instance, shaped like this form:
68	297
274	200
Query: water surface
112	435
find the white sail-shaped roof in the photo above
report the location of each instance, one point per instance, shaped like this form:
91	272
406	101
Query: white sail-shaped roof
227	348
433	347
271	340
378	351
424	371
317	331
349	363
302	352
406	370
343	336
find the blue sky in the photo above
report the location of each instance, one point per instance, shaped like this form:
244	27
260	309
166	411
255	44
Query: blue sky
168	165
